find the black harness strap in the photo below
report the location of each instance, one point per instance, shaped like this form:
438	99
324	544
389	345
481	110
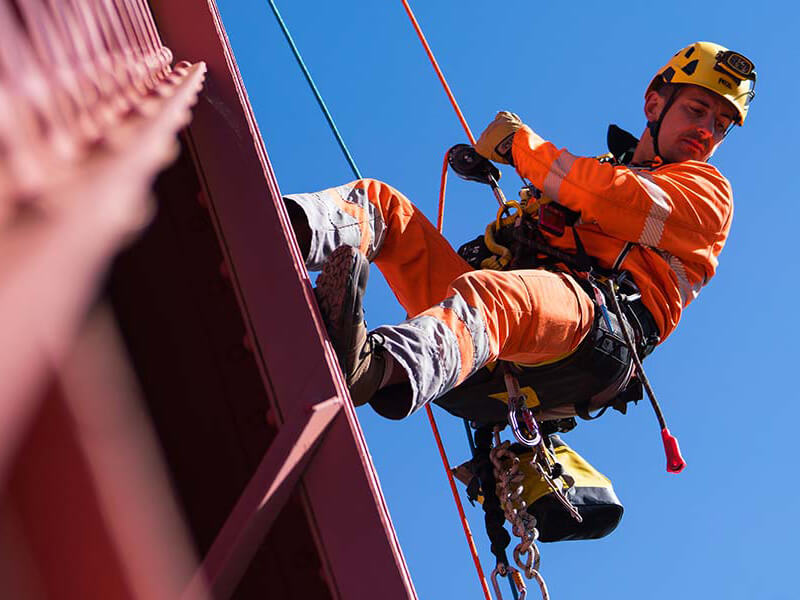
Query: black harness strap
582	410
626	249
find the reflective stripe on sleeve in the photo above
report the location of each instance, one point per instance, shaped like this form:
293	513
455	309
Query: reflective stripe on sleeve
558	171
659	212
687	290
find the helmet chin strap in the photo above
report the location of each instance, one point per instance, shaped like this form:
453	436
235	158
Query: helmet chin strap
655	126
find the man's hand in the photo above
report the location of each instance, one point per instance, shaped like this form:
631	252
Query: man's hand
495	141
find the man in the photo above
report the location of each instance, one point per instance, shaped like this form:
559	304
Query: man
663	218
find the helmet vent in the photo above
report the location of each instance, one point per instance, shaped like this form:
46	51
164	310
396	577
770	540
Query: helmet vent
690	67
689	52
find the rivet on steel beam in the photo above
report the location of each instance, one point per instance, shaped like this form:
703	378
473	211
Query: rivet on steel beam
271	417
182	68
167	57
247	342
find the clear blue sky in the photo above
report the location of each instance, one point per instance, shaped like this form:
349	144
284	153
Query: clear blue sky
724	528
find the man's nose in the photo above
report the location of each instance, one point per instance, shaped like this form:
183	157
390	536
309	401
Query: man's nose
706	126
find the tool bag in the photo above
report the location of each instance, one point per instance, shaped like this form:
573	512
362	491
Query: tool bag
592	495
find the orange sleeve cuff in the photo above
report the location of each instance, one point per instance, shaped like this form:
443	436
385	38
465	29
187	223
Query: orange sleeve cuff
532	155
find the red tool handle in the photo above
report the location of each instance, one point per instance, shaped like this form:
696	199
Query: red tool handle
675	462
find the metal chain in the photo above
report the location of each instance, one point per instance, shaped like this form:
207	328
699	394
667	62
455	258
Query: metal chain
509	491
509	479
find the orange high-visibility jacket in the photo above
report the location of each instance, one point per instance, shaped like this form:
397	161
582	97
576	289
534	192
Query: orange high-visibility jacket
677	216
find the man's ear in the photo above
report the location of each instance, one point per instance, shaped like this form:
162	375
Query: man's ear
653	105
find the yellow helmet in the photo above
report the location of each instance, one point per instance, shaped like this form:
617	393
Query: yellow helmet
715	68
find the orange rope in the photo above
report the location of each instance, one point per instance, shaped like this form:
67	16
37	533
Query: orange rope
438	71
440	220
467	531
465	525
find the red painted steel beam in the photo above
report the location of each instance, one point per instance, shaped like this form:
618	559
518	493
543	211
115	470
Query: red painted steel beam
348	512
128	478
86	510
52	258
89	110
262	500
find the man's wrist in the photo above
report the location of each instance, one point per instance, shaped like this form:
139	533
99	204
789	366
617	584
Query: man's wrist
504	148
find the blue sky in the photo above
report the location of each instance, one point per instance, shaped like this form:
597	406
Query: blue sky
724	528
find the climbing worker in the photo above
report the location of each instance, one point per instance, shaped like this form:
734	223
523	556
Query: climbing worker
658	212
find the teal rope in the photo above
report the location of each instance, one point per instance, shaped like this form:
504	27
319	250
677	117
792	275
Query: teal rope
347	155
314	89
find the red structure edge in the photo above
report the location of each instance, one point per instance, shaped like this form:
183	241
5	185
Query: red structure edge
340	489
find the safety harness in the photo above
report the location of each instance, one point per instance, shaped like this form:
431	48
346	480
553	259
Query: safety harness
600	372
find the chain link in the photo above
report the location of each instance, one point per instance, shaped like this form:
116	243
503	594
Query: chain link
514	577
509	491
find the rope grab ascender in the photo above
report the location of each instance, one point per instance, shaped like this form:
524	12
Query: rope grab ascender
498	467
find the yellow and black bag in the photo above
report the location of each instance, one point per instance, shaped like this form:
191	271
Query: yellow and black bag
592	495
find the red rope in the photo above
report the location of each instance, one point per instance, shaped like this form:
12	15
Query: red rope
464	524
467	532
434	428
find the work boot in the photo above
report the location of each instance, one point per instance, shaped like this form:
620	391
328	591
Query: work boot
340	291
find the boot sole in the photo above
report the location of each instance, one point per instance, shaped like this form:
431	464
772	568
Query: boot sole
340	288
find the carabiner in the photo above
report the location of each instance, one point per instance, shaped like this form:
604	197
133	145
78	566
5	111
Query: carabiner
514	579
498	193
516	404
